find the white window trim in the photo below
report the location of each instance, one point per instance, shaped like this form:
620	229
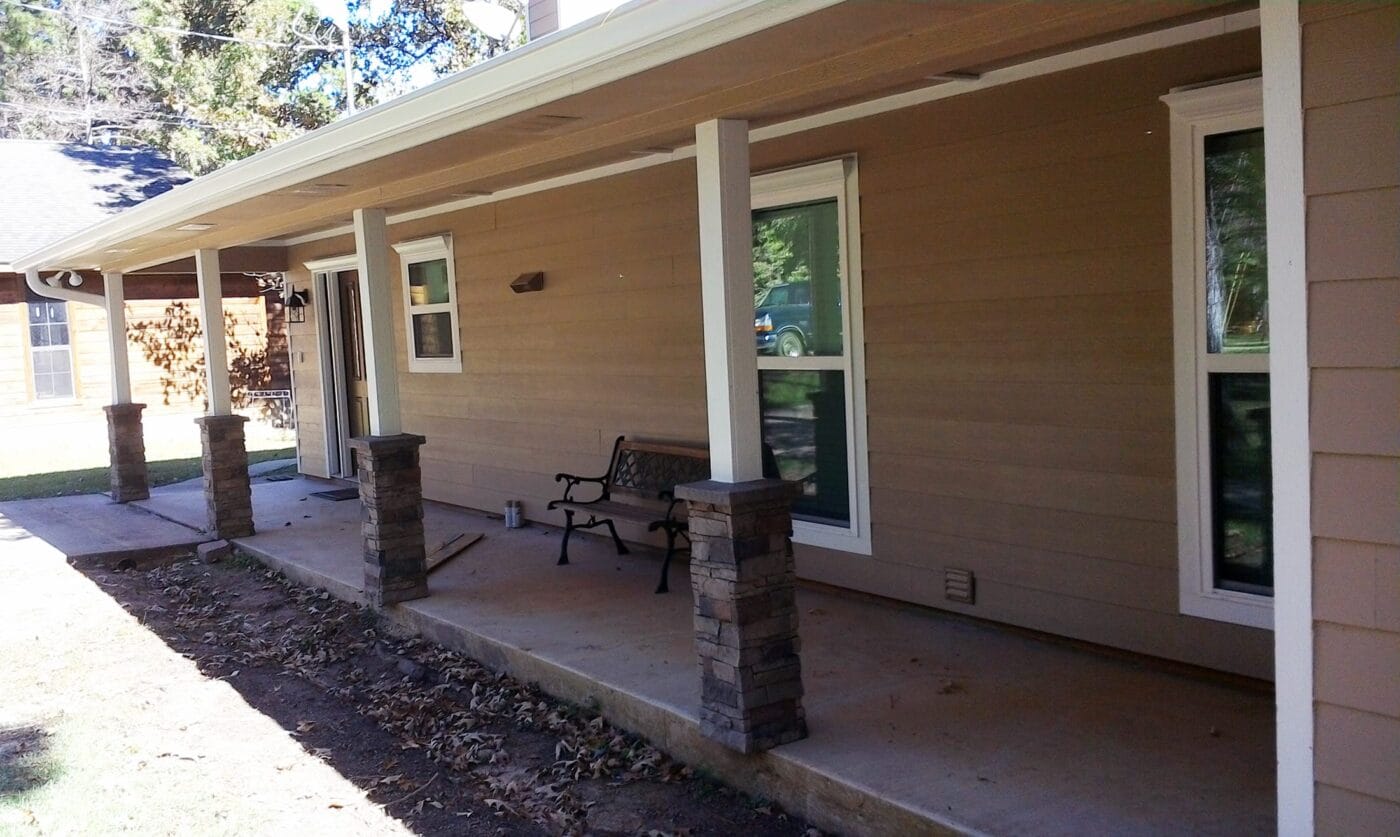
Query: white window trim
838	179
1195	114
67	348
427	250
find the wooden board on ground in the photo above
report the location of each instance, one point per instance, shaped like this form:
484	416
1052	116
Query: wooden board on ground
451	548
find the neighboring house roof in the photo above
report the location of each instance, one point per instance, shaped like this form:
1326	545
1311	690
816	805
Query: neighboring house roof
54	189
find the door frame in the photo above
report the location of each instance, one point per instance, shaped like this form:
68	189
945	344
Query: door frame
329	338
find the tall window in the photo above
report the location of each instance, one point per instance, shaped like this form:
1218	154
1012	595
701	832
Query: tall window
806	330
50	354
1224	480
430	304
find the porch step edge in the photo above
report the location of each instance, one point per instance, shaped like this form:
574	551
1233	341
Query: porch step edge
830	803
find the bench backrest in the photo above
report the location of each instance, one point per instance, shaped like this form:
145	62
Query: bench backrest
647	469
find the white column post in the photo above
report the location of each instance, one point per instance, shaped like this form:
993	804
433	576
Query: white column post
116	337
377	314
1289	375
726	292
211	321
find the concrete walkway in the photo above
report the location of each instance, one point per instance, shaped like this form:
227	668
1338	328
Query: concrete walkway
920	722
90	528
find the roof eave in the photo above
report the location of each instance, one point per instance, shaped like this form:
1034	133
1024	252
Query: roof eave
633	39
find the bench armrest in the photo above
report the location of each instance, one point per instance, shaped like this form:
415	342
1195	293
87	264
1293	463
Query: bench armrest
572	481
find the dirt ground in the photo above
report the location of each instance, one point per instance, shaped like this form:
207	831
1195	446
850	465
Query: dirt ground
418	738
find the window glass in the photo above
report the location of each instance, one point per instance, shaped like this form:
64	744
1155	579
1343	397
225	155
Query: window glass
797	280
1242	484
432	335
50	357
1237	290
804	426
427	282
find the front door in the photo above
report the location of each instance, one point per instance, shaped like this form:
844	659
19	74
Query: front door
352	349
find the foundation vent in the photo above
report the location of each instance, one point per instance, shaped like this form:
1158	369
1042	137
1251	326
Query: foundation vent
959	585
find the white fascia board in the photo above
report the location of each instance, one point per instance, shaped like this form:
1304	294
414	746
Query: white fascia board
635	38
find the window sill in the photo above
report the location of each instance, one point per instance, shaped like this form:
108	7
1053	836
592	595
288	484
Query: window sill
830	537
1226	606
438	366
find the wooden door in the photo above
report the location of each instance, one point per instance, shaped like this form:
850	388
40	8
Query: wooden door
352	335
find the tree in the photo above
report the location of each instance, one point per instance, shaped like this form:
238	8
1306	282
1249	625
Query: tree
230	99
64	74
779	256
212	81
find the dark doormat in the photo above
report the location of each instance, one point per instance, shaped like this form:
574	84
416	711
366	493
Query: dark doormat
337	494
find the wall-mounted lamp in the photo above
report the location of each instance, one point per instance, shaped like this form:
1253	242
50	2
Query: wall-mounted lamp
527	282
296	307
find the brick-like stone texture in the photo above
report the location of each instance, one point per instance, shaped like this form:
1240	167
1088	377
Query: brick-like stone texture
228	496
126	446
391	503
743	580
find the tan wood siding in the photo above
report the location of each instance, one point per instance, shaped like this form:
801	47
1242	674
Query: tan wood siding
1351	96
1017	280
92	358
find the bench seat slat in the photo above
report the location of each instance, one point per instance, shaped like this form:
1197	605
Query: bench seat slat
612	508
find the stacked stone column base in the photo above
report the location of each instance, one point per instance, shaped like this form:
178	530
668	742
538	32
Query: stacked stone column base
228	496
743	582
126	445
391	502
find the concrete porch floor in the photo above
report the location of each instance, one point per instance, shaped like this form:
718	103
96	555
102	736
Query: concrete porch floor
920	722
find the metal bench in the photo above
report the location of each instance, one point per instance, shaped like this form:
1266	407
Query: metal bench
647	474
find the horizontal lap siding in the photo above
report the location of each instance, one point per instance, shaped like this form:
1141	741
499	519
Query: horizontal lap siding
1016	253
611	347
1017	284
1351	96
92	359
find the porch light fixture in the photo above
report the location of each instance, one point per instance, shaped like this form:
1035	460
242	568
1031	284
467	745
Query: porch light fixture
528	282
296	307
194	227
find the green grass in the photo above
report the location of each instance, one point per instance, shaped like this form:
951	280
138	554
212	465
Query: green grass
95	480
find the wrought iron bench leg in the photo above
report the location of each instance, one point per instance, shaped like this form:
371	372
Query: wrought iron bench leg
621	547
664	587
568	530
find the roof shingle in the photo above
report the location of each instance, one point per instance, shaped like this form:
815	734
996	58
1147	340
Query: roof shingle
53	189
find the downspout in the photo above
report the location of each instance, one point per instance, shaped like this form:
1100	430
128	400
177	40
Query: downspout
57	291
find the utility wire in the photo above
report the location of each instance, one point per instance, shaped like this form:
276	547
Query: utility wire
170	30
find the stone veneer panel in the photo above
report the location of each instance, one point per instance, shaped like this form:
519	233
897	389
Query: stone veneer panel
228	496
391	500
126	447
743	580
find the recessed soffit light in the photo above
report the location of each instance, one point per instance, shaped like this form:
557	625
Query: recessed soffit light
194	227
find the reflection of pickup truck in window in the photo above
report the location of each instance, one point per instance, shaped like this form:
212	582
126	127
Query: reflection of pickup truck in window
783	319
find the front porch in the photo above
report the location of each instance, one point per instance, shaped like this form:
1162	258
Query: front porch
918	719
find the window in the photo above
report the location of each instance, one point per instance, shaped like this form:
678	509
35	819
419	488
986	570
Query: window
807	331
430	304
1221	300
49	351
